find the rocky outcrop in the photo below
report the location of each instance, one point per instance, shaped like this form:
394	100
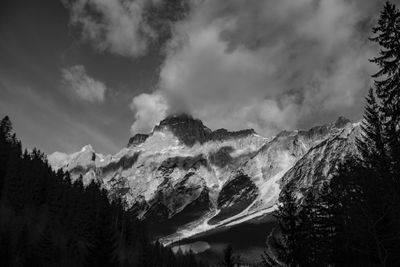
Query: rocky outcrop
235	197
190	131
137	139
187	129
223	134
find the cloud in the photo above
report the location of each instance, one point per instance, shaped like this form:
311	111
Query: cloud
83	86
270	65
149	110
124	27
112	25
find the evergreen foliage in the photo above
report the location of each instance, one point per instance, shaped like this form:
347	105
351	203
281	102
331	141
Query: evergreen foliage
289	225
45	220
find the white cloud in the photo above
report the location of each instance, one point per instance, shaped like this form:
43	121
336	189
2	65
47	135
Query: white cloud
83	86
270	64
149	110
266	64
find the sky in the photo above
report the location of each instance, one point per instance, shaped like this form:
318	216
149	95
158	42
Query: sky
78	72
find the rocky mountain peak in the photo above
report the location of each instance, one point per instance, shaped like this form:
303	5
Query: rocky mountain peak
190	130
137	139
341	122
87	148
186	128
324	130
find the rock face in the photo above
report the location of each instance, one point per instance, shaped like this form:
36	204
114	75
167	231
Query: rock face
322	161
137	139
184	178
188	130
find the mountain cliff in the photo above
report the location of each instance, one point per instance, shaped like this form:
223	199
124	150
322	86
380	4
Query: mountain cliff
185	178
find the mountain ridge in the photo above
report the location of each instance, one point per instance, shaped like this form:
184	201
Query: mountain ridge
185	173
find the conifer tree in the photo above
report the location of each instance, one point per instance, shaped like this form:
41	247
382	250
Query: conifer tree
289	225
6	128
380	145
372	144
5	134
387	82
317	229
10	148
307	232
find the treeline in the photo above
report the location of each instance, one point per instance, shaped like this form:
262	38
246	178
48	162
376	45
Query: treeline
354	220
46	220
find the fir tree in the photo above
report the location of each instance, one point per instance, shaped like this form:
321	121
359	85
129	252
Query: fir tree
380	145
372	144
317	229
289	226
387	81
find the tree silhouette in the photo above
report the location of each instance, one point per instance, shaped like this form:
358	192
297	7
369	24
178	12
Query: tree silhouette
46	220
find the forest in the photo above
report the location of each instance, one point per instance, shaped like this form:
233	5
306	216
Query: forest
46	220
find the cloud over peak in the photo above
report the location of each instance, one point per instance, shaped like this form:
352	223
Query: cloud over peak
268	65
83	86
149	109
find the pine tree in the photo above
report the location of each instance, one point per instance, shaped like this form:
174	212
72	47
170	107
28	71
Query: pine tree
380	145
8	144
317	229
387	81
364	229
372	144
289	226
307	232
6	128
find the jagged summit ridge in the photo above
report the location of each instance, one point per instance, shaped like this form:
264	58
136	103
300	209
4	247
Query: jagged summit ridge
189	131
186	128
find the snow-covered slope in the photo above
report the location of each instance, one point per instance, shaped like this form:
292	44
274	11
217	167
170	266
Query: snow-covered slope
186	176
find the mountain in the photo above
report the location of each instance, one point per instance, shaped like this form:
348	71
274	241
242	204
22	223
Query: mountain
184	178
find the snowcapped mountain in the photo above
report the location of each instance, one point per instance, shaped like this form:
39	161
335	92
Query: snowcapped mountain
186	179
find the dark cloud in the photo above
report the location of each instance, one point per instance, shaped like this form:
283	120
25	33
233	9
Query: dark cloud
125	27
